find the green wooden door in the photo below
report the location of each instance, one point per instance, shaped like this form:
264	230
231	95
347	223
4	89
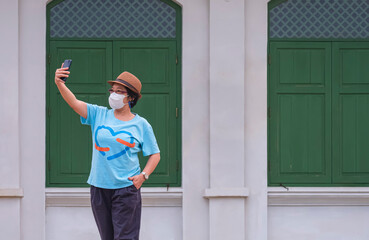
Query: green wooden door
154	63
300	113
94	62
351	112
69	143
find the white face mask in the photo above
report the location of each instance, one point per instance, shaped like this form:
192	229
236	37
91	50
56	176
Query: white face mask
116	100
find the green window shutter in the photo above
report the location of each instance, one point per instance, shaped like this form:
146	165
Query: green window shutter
350	112
69	142
154	63
300	113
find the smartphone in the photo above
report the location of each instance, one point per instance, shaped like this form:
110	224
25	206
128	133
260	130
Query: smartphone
67	64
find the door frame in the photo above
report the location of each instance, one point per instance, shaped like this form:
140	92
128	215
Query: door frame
178	40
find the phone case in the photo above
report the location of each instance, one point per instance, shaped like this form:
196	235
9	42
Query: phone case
67	64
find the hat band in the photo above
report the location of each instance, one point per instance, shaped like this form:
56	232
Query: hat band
127	83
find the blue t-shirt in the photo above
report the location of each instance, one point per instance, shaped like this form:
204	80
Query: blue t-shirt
115	147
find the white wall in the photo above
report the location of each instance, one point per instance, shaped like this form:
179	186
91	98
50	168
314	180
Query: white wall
73	223
76	223
9	218
69	214
22	129
9	121
318	223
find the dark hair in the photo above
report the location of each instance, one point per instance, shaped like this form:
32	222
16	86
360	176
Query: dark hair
133	95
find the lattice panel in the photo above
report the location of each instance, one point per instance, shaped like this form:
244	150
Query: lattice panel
320	19
112	19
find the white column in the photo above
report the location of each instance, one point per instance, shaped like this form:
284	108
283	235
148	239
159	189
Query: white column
10	189
256	118
32	89
227	192
195	120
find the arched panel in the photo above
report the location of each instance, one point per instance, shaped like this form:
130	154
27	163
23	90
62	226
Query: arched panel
346	19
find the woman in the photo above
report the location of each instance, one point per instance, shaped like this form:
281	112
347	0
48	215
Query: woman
118	135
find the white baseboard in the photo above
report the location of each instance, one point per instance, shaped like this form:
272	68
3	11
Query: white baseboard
318	196
80	197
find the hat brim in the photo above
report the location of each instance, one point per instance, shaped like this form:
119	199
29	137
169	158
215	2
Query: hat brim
111	82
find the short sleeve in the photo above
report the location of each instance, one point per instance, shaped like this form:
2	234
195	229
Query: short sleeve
92	112
149	144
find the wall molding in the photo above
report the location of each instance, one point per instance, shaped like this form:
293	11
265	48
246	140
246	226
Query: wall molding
11	192
80	197
318	196
226	193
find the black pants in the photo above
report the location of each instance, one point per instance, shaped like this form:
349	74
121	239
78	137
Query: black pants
117	212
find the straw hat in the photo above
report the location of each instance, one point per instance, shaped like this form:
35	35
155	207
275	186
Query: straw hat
130	81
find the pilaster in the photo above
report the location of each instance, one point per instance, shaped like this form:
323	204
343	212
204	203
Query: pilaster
32	124
256	137
227	192
195	118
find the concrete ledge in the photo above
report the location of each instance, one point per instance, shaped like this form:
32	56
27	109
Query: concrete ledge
80	197
226	193
324	196
11	192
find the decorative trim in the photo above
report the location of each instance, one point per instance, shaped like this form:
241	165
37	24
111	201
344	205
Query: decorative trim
116	19
11	193
80	197
226	193
323	196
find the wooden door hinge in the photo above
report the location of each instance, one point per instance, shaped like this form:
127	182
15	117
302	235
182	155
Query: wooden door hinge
269	59
269	112
176	112
176	59
49	59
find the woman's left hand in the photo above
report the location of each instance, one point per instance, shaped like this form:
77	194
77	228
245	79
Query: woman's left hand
137	180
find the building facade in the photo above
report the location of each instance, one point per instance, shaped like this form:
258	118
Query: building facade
259	108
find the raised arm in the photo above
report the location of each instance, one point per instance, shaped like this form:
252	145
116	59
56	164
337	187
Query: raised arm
78	106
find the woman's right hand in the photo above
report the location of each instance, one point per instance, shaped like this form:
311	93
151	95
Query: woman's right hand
59	73
78	106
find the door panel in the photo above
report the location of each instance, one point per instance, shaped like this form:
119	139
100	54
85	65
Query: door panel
354	63
300	113
154	63
302	133
301	66
69	151
350	112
